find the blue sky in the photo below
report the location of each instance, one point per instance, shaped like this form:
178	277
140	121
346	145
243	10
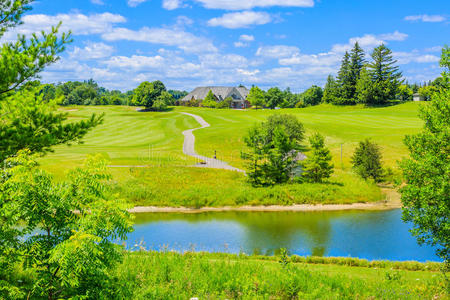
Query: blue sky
189	43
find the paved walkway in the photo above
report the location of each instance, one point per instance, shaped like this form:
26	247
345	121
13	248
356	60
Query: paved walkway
189	148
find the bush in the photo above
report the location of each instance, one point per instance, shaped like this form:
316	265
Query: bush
367	161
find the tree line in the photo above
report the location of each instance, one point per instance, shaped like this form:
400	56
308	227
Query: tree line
152	95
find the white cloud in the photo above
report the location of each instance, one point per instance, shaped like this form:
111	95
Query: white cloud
241	19
171	4
183	21
247	38
395	36
426	18
134	3
79	24
98	2
223	61
92	51
249	4
135	62
414	57
321	59
164	36
369	41
244	41
277	52
434	49
241	44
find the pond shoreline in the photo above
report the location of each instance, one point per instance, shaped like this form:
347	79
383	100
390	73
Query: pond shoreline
271	208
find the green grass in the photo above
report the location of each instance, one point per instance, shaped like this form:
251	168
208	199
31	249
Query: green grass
154	139
169	275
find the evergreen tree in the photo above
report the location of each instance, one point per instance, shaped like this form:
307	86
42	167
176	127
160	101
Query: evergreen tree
364	87
356	65
272	147
330	91
385	75
27	120
318	164
343	81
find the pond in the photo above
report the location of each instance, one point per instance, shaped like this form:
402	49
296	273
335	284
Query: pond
372	235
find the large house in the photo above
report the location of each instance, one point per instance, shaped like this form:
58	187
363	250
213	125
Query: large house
237	94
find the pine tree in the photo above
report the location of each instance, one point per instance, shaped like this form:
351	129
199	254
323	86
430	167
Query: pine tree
27	122
318	165
357	62
343	79
385	75
330	91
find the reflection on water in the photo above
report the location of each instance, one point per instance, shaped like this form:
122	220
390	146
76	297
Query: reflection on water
371	235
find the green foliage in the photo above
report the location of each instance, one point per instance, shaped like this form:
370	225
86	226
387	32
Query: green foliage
273	97
426	197
226	103
344	79
177	95
330	92
364	87
256	97
367	160
427	91
30	122
318	165
384	75
272	149
312	96
11	12
83	93
404	93
63	232
28	119
24	59
210	100
163	101
147	93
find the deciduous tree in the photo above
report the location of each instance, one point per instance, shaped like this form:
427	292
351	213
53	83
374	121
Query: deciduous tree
367	160
273	97
426	196
62	232
256	97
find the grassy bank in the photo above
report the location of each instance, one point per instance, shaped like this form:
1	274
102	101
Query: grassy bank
222	276
154	140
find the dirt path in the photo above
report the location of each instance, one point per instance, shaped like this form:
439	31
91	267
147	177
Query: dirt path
189	148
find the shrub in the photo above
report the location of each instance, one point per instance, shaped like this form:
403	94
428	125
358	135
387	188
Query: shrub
367	160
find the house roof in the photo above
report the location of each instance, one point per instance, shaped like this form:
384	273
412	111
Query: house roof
221	92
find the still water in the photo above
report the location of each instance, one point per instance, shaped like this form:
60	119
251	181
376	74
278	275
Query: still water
363	234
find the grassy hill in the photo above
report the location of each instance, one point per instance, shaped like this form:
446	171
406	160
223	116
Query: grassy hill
154	139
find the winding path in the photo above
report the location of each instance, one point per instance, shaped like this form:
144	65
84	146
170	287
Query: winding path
189	148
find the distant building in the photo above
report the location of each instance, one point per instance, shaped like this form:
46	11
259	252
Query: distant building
418	97
237	94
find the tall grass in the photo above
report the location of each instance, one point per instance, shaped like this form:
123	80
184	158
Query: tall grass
197	187
170	275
